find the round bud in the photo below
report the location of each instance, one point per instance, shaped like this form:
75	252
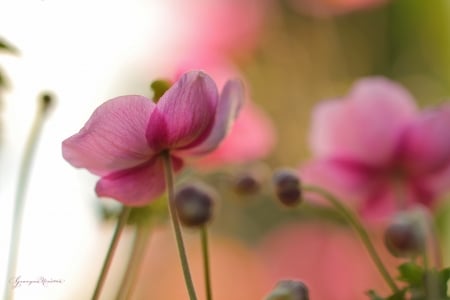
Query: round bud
159	87
194	204
405	236
246	184
287	187
46	101
289	290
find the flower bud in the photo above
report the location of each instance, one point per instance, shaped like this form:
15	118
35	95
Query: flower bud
159	87
194	204
46	101
287	187
289	290
405	236
246	184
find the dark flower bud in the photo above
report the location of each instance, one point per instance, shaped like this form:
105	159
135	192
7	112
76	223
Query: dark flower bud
287	187
194	204
289	290
46	101
246	184
405	236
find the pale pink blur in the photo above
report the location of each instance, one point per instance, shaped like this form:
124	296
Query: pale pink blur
323	8
236	271
331	260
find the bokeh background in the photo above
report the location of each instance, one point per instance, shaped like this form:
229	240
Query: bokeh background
291	54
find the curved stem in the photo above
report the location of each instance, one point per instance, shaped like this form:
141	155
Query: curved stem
206	264
112	249
176	225
140	243
19	203
360	230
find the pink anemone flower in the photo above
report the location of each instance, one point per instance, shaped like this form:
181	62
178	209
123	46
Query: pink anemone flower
123	140
376	148
253	135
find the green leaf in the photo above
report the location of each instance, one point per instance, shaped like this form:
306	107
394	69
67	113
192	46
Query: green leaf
411	273
374	296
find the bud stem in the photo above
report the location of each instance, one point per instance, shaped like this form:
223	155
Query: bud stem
206	264
353	220
142	235
123	217
176	225
19	202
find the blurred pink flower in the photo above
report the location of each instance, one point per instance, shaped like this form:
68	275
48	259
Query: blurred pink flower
319	254
323	8
123	139
223	26
375	148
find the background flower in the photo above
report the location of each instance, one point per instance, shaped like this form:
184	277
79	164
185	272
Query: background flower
376	149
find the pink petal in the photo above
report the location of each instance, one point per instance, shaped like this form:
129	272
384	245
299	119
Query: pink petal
136	186
425	147
231	101
184	114
347	180
113	138
364	126
252	137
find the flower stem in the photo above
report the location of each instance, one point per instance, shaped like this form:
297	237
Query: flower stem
19	203
206	264
123	217
140	242
176	225
353	220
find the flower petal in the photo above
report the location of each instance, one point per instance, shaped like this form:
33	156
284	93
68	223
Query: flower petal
366	125
185	113
425	147
230	103
252	137
348	180
113	138
136	186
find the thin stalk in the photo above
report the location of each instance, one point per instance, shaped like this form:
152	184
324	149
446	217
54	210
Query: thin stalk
360	230
19	202
123	217
206	264
176	225
140	244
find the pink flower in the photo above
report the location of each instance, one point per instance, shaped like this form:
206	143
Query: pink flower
225	26
123	139
374	147
252	136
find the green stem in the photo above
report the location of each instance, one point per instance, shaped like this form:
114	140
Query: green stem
140	242
19	203
176	225
206	264
112	249
360	230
